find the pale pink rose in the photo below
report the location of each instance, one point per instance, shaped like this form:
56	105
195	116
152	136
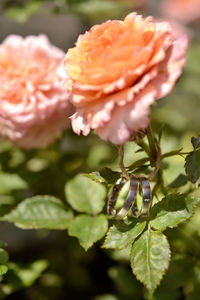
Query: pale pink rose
117	70
185	11
33	104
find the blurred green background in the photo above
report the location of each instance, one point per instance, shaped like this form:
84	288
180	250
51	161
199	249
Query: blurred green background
48	264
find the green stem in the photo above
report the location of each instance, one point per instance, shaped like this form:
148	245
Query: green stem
173	153
152	145
157	161
144	146
154	152
121	157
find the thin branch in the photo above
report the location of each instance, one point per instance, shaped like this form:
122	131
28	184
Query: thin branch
121	155
152	145
158	159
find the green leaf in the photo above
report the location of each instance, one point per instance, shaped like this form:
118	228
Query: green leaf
7	200
192	165
109	175
195	142
171	153
30	274
123	233
150	256
3	269
3	244
138	163
10	182
3	256
88	229
85	195
172	210
40	212
179	181
22	277
95	176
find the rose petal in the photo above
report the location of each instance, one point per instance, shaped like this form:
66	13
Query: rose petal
33	103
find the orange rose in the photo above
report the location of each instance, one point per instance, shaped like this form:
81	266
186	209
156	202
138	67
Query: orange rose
117	70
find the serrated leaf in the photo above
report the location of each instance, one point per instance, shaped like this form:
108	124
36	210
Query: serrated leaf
3	269
123	233
40	212
195	142
180	180
10	182
85	195
150	255
172	210
192	165
88	229
95	176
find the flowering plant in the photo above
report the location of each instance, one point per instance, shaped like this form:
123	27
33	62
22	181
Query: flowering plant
128	191
117	70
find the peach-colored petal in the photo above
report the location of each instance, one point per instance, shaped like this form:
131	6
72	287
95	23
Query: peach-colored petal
87	93
100	112
117	70
79	123
33	104
171	68
128	119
